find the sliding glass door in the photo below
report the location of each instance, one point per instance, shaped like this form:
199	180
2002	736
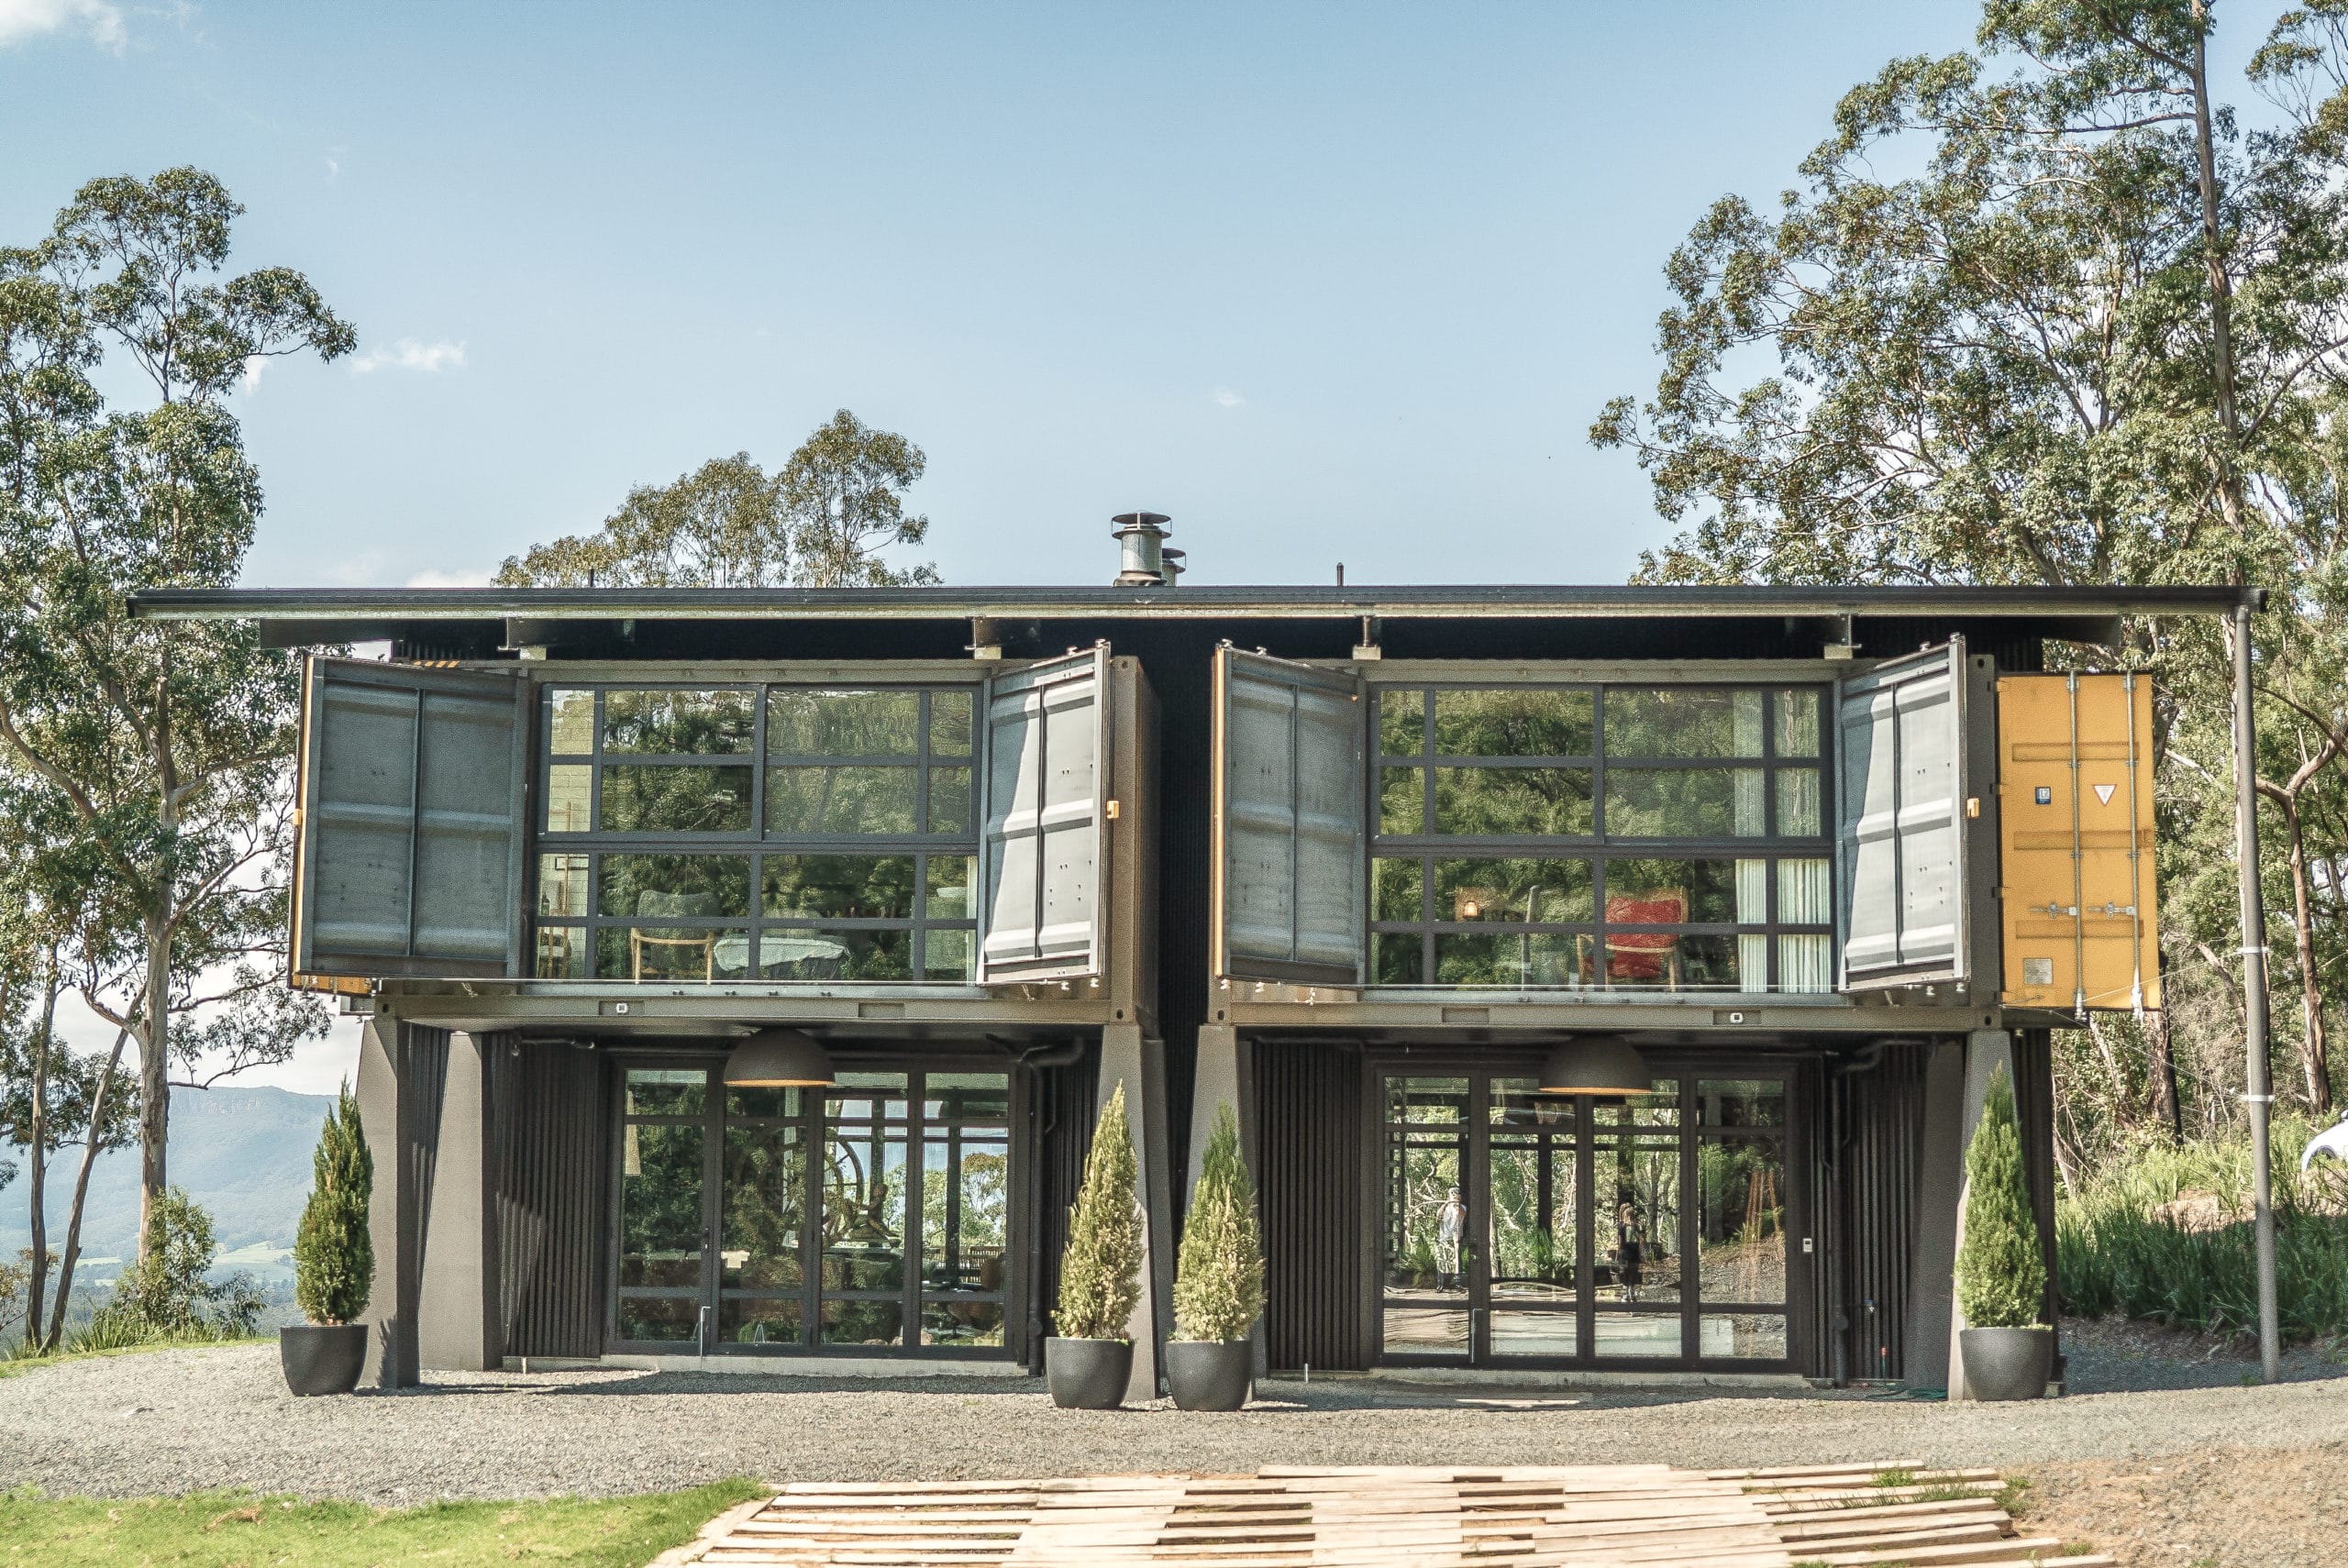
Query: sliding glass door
1558	1230
874	1214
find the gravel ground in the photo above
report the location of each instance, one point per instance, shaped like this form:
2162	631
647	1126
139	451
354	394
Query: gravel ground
181	1420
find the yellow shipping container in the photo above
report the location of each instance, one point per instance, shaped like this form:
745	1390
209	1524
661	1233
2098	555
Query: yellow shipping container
2075	829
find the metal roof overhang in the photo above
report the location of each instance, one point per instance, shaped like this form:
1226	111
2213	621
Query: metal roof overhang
295	617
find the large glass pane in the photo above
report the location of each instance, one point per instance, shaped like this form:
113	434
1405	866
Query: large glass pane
666	1091
661	1204
664	1319
672	953
1402	801
949	955
950	879
1742	1336
1798	723
792	953
841	800
965	1208
949	723
1683	802
1511	958
1402	721
949	800
863	1216
1805	891
750	1322
1427	1215
1548	803
1398	958
562	884
1740	1221
1654	891
872	1320
570	723
1515	721
1741	1102
1805	964
1527	891
1530	1228
1649	1336
1683	721
806	721
675	886
648	798
678	724
1395	890
570	790
1667	961
864	887
1797	803
1635	1194
561	953
766	1167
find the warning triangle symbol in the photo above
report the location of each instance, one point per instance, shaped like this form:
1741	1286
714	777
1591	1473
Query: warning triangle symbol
2103	792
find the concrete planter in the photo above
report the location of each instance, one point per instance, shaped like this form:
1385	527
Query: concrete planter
322	1358
1088	1375
2007	1363
1213	1375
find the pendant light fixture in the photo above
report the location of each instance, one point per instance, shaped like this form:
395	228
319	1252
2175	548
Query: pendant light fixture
1595	1064
779	1059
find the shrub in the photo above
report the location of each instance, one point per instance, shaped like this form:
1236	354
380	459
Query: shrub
1219	1278
1101	1271
2001	1272
169	1293
334	1258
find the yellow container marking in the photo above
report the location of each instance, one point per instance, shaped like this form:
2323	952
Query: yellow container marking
2075	826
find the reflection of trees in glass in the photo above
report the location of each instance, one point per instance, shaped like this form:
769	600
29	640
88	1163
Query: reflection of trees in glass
841	799
1740	1219
765	1173
1534	891
1515	721
1548	803
661	1190
984	1209
652	798
675	886
1525	1247
1683	721
678	724
1684	802
869	887
809	721
1705	889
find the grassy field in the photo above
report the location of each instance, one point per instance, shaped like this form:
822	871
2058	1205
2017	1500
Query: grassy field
235	1529
2126	1244
17	1359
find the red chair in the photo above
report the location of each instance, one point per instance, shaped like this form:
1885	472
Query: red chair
1643	957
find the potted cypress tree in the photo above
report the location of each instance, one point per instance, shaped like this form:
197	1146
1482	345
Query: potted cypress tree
334	1262
2001	1272
1218	1281
1089	1360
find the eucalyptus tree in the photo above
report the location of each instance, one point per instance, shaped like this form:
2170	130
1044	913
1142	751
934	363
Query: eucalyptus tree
821	522
162	747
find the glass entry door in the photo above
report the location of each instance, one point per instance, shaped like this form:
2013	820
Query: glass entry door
1557	1230
871	1214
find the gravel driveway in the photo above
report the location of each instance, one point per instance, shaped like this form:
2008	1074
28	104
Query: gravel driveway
182	1420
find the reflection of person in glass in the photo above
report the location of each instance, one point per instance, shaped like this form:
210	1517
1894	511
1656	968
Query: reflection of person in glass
1450	1225
1627	1250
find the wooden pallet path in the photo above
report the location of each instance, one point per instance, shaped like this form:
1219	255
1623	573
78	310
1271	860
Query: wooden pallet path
1615	1516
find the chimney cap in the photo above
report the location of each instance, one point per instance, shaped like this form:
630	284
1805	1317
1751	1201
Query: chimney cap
1141	519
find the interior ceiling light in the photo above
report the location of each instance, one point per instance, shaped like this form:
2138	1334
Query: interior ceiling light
779	1059
1595	1064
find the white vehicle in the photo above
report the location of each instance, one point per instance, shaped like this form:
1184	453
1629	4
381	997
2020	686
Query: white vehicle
2332	1141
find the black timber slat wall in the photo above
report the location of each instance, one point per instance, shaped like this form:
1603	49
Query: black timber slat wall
1062	1102
550	1173
2035	1109
1883	1121
1309	1122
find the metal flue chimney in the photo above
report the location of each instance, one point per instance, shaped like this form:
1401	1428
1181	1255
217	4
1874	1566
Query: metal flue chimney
1171	560
1140	535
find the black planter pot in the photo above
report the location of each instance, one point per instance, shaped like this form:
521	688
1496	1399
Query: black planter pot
322	1358
1215	1375
2007	1363
1088	1375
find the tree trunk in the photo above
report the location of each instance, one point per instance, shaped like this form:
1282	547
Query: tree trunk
2315	1061
154	1079
38	1182
2168	1112
90	1149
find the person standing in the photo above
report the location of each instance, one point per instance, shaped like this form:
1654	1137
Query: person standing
1450	1230
1628	1253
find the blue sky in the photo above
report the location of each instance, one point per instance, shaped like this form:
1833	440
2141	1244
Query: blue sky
1326	283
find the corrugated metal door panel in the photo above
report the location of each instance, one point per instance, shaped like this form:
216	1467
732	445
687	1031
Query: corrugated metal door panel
551	1190
2081	909
1884	1120
412	835
1045	802
1903	822
1289	821
1310	1151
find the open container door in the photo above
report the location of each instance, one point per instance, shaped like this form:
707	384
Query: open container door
1046	813
1290	809
408	862
1901	852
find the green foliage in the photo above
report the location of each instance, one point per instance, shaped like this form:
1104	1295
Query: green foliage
821	522
2123	1247
232	1529
1219	1275
334	1257
2000	1271
169	1292
1101	1271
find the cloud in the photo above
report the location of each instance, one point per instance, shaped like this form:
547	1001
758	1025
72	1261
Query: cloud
1225	398
450	580
254	364
408	354
22	19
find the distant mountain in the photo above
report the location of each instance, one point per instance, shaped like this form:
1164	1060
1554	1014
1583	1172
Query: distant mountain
243	1154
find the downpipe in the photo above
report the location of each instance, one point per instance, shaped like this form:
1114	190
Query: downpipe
1035	1060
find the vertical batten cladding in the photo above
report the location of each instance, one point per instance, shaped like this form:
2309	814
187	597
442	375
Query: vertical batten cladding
550	1168
1062	1104
2034	1058
1877	1165
1309	1100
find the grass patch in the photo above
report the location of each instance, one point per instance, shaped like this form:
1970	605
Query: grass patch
1897	1477
23	1360
2117	1252
236	1529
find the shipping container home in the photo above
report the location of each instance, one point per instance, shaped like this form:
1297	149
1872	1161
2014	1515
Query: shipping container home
1606	978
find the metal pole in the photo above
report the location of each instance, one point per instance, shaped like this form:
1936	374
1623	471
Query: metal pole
2261	1099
